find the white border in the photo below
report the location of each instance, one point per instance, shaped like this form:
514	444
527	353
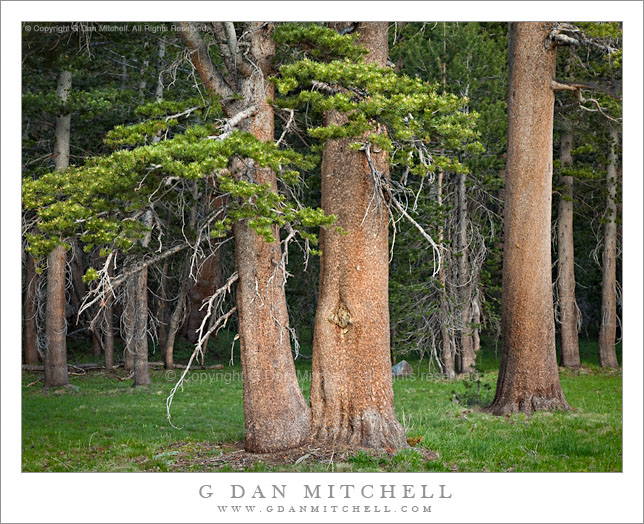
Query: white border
527	497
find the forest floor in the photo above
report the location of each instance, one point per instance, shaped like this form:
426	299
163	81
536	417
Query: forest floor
101	423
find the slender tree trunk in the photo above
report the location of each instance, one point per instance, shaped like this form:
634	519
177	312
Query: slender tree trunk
447	358
96	343
566	260
56	322
123	74
109	333
528	376
173	327
162	309
141	371
275	412
158	90
351	386
467	357
30	330
129	324
208	280
607	354
476	320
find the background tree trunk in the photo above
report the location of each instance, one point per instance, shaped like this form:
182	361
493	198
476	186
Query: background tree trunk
30	330
528	376
466	355
175	319
162	308
128	324
208	281
109	333
141	372
607	354
446	354
56	323
351	386
566	260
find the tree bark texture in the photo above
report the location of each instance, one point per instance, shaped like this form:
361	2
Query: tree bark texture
528	376
30	330
466	355
128	321
351	386
446	354
56	323
566	259
140	286
109	333
141	371
607	330
275	412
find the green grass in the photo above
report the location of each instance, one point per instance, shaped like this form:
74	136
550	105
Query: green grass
102	424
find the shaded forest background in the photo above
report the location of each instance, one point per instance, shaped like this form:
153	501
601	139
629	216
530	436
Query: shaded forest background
132	84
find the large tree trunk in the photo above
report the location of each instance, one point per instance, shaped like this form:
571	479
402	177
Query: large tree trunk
351	386
275	412
607	354
30	329
56	323
566	260
528	376
466	355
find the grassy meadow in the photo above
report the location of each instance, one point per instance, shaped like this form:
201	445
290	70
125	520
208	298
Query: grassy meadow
102	424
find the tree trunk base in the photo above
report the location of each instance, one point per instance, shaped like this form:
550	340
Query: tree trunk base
528	405
369	429
277	434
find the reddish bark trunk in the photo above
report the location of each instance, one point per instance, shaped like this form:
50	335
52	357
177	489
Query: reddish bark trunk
566	261
607	354
528	376
351	386
275	412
